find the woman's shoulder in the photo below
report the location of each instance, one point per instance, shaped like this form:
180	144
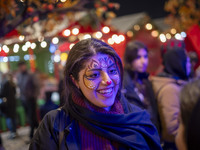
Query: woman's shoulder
55	116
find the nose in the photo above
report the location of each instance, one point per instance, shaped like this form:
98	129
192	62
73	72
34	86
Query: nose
106	80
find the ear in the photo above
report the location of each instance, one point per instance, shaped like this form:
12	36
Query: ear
74	81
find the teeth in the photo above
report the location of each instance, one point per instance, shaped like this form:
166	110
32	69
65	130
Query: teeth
105	91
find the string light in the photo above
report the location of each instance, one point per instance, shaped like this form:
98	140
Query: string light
162	38
98	34
168	36
105	29
66	32
5	48
154	33
55	40
111	41
149	26
33	45
43	44
173	31
75	31
24	48
21	37
16	48
129	34
136	27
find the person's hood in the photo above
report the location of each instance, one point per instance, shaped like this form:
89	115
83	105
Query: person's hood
159	82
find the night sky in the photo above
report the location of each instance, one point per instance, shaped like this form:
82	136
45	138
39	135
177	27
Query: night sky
154	8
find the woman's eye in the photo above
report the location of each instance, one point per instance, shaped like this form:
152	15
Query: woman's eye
113	71
93	75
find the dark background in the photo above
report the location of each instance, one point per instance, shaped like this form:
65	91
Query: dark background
154	8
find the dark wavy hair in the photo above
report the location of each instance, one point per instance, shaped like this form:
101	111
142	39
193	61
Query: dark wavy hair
79	55
190	112
131	52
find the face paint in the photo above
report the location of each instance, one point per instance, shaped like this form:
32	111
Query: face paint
93	81
93	72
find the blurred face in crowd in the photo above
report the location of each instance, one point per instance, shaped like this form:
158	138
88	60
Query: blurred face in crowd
180	137
22	68
99	80
141	62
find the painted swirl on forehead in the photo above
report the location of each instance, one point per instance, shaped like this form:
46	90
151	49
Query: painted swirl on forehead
101	63
104	62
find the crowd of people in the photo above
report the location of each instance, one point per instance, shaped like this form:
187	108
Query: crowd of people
108	104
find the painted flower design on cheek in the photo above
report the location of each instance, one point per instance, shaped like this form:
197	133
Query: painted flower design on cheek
90	84
90	76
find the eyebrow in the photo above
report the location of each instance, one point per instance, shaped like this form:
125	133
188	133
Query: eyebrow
99	69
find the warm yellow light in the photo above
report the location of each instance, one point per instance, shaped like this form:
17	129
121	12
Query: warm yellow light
154	33
129	34
149	26
21	37
63	56
63	1
168	36
136	27
173	31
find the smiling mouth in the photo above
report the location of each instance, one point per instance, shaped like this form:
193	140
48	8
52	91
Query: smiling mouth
105	91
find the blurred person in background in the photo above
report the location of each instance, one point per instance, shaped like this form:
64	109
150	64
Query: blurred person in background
189	132
136	86
8	93
48	106
29	85
167	86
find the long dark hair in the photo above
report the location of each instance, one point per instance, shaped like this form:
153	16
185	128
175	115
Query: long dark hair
190	106
79	54
131	53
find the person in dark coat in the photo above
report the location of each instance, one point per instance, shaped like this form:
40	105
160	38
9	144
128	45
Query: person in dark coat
29	86
8	92
48	106
136	86
96	115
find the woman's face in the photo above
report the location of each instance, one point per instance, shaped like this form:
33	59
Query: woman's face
180	138
99	80
141	62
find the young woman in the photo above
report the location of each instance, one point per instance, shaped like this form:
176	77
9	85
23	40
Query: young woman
136	86
95	116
